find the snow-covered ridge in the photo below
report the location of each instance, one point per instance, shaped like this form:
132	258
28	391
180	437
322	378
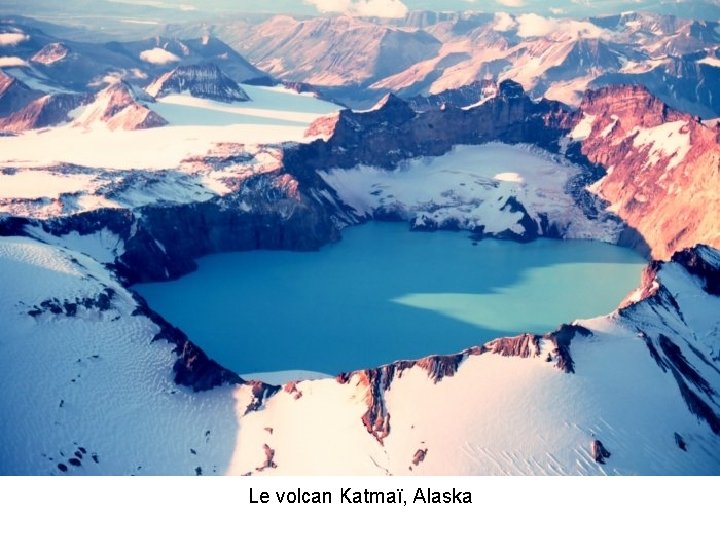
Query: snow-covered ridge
65	190
78	353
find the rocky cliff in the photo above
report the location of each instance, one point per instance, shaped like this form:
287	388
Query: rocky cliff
663	167
160	240
392	131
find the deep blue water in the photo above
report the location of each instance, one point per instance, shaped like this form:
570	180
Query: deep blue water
384	293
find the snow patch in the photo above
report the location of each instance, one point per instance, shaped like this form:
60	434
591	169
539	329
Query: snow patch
104	246
33	184
10	39
12	61
508	177
158	56
583	128
188	110
570	92
74	383
642	66
670	139
36	82
710	61
608	129
471	187
135	21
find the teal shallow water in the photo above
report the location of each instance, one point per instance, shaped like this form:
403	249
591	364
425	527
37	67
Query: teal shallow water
384	293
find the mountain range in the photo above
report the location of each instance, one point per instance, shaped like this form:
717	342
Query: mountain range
357	60
125	162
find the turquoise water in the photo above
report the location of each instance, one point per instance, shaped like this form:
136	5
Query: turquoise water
384	293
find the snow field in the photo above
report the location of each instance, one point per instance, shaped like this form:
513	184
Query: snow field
471	186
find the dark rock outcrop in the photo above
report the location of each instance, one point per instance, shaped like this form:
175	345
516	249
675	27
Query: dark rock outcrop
680	441
703	263
300	88
522	346
100	302
562	338
669	353
692	385
193	368
419	456
261	392
269	462
378	380
598	452
291	388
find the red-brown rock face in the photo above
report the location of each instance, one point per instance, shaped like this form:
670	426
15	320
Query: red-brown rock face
116	107
45	111
663	167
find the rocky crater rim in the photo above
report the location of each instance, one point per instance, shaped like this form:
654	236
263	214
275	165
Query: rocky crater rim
154	252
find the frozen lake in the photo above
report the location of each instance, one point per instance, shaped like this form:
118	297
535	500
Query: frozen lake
384	293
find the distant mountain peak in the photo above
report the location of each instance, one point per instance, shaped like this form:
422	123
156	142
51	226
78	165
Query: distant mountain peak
117	107
51	54
469	95
14	94
204	80
393	105
509	89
